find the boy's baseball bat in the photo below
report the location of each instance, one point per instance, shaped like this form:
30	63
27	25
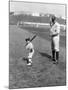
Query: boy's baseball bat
31	39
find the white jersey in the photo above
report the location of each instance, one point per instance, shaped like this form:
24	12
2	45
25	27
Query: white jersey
55	29
54	32
30	46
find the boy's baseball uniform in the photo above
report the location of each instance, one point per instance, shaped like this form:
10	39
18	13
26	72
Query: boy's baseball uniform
30	48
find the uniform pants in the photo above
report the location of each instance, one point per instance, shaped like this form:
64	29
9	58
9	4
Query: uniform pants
55	47
30	55
55	43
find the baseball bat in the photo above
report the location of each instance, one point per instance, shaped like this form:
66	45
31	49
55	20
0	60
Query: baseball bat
31	39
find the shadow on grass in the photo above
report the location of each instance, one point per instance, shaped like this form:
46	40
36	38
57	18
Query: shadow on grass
45	55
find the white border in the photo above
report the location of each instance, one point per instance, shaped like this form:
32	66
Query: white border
43	1
4	43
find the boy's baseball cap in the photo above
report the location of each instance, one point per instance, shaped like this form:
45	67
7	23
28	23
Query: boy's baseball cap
27	39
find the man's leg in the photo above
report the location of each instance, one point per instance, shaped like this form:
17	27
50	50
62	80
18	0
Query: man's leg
57	50
53	55
53	50
57	56
56	47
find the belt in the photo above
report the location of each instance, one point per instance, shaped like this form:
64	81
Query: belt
54	35
31	50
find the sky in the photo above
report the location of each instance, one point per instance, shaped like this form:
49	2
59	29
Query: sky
57	9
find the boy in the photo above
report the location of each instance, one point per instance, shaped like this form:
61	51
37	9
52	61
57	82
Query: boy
30	48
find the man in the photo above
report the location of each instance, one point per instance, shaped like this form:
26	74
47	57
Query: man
30	48
55	36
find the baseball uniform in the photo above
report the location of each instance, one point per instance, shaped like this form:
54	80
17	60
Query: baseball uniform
55	37
30	48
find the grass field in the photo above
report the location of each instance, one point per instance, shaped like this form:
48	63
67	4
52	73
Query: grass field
43	72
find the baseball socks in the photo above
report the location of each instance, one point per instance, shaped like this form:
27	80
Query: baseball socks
57	56
53	55
29	62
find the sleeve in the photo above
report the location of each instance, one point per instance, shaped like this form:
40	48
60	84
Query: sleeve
55	29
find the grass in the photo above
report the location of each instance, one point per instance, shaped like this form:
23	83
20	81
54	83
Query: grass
43	72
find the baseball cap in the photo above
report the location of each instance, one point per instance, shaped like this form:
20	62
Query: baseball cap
27	39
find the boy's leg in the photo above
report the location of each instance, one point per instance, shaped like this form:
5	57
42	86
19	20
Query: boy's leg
29	59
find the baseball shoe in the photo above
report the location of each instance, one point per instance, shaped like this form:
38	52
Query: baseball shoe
53	59
29	64
55	62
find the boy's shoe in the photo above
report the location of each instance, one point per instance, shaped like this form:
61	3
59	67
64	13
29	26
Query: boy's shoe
29	64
